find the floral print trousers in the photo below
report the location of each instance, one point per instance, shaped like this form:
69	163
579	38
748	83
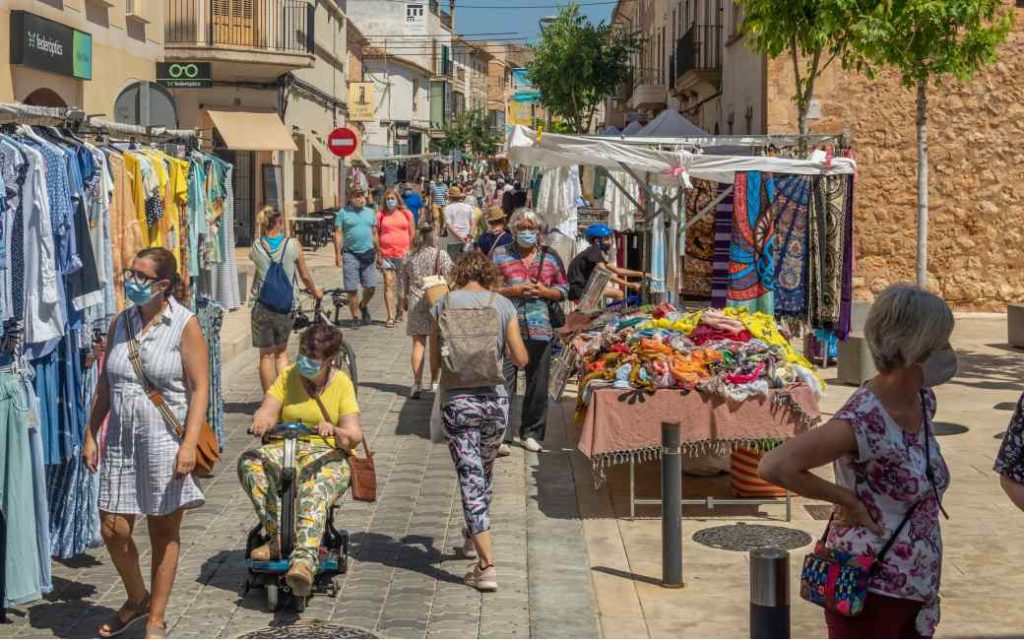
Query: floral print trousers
475	426
323	477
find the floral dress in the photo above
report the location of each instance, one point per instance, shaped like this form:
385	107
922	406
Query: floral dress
1010	462
888	475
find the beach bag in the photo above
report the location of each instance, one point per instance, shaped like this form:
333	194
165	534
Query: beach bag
435	286
470	353
277	292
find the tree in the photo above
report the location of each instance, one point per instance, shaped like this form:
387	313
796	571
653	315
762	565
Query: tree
808	30
578	64
470	131
926	40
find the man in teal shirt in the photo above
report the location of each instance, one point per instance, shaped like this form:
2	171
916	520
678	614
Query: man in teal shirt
357	251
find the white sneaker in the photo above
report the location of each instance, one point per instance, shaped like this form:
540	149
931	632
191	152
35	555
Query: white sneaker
468	548
504	450
532	445
416	391
433	387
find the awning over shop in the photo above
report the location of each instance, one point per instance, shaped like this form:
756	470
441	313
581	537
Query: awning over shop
252	130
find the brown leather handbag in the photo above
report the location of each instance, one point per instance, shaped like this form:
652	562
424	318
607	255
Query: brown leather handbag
363	472
207	448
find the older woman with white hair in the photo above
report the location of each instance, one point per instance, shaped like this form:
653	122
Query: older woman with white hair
533	277
889	473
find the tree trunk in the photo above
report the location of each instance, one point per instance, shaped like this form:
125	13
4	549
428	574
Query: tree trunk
801	123
922	183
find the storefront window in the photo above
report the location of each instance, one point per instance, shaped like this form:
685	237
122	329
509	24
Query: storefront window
147	104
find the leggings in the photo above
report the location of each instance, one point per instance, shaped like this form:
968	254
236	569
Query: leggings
323	477
475	425
883	617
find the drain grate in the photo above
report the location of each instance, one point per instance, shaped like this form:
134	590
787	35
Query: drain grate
949	428
311	629
747	537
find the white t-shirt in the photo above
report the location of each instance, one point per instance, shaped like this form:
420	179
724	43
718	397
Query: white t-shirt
459	216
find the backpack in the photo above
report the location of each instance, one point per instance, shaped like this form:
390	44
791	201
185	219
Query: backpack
277	292
470	354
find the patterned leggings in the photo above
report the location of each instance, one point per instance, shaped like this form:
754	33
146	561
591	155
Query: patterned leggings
323	477
475	426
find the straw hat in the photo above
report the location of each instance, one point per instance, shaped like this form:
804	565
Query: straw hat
455	193
495	214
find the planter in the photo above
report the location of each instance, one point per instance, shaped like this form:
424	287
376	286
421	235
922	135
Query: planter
745	481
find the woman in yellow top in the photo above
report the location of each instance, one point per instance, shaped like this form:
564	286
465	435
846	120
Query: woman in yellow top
323	472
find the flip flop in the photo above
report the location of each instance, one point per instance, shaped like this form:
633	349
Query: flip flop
116	625
390	324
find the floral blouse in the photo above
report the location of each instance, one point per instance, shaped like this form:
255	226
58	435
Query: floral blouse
1010	462
888	474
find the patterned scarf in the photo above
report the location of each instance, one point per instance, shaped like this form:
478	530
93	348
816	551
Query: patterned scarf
846	298
790	213
720	258
828	222
752	251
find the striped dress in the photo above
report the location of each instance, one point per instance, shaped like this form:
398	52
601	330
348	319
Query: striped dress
137	465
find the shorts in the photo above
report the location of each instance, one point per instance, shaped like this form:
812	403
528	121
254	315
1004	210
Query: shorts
359	270
270	328
391	264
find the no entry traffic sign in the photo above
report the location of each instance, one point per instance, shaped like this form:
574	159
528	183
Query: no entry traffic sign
342	142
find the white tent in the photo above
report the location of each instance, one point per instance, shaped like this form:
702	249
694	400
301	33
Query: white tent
670	124
665	167
632	128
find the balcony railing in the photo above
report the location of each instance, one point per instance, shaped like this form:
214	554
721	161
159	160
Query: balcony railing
281	26
700	49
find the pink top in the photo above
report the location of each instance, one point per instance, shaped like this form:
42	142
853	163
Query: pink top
394	228
888	474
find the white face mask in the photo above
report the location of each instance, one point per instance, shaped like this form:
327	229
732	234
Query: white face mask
939	368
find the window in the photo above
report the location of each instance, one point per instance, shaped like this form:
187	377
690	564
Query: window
415	95
413	12
736	24
147	104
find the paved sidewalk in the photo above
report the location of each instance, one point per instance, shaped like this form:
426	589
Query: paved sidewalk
405	579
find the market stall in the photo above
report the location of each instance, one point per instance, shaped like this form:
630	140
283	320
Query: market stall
729	375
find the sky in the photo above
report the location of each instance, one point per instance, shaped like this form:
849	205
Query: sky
512	20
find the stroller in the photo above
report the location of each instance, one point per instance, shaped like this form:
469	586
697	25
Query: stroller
333	547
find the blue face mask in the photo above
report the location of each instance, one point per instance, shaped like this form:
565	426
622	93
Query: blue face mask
308	367
527	238
391	204
138	294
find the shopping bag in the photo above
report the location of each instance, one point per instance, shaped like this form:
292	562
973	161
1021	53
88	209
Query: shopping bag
436	426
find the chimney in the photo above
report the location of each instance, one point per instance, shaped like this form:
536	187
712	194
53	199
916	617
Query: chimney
451	12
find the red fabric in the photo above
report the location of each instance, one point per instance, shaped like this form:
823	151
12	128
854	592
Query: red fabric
394	228
883	617
704	333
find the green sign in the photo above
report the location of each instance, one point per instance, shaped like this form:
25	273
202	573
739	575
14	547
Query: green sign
184	75
44	44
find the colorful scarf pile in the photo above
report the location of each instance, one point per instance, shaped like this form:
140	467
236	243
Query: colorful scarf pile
790	213
752	251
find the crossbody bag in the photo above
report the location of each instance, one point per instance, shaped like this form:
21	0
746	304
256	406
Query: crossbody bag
364	473
207	447
556	314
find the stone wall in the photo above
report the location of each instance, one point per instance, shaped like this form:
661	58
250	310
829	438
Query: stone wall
976	178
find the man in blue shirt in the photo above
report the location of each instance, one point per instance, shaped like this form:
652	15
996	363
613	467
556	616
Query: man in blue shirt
357	251
413	201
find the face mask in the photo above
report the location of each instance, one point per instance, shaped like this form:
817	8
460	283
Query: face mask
391	204
939	368
308	367
527	238
138	294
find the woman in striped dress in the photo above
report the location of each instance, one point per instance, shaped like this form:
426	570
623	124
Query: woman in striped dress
145	469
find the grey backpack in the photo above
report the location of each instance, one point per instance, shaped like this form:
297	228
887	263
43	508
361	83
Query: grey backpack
470	354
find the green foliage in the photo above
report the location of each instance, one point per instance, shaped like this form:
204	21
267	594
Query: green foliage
470	131
578	64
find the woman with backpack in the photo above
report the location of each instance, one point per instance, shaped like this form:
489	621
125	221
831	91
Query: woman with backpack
426	260
474	402
274	297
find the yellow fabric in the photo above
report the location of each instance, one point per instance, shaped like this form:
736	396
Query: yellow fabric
133	165
176	197
157	235
339	398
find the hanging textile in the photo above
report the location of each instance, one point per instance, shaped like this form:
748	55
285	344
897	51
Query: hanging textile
846	295
621	210
791	227
211	317
224	275
699	248
556	199
720	259
828	221
752	250
657	262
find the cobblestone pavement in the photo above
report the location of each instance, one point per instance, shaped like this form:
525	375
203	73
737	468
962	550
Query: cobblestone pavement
405	579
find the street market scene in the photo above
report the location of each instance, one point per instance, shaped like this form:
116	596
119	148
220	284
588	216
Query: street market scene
524	319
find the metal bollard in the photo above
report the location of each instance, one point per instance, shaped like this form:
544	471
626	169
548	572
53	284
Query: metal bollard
769	593
671	506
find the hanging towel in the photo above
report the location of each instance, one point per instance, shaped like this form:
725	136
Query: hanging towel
828	221
790	213
720	259
752	250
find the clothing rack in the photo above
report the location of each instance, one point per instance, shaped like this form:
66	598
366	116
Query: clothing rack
77	120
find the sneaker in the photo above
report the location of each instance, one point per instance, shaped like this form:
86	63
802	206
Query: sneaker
504	450
468	548
416	391
532	445
433	387
299	578
365	311
482	579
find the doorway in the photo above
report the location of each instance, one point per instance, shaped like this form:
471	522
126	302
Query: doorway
243	182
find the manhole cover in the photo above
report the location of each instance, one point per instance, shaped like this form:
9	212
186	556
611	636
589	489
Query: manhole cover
311	629
948	429
747	537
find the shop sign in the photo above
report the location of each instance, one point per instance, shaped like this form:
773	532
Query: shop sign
44	44
184	75
360	101
402	128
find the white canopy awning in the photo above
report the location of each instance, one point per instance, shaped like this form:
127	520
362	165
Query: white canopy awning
666	167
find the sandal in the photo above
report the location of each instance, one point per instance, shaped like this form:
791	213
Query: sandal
158	632
115	625
390	324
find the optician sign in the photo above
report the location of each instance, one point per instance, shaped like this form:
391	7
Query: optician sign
184	75
44	44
